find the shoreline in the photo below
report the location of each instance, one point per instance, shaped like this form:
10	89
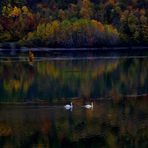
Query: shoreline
119	48
77	52
17	47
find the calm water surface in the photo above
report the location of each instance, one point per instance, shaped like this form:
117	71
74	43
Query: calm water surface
119	118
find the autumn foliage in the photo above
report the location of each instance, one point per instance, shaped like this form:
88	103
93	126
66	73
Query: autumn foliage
74	23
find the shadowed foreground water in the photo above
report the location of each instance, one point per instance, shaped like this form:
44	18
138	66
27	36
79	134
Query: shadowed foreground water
117	86
109	124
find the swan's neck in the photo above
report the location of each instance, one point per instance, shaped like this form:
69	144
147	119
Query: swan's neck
71	104
92	104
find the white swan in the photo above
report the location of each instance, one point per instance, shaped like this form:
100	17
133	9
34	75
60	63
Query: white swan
88	106
68	106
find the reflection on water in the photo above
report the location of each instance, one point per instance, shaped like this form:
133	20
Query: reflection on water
118	119
109	124
56	80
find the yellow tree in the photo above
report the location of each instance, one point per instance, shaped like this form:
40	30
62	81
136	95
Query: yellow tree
144	27
62	15
86	9
98	25
6	10
15	12
51	31
113	2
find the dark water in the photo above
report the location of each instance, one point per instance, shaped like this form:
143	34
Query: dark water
117	86
109	124
54	80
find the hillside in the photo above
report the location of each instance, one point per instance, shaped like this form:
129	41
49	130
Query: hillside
74	23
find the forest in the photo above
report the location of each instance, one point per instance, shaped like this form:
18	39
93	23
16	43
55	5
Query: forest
74	23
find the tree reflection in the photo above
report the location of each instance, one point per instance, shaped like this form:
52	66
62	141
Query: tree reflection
53	80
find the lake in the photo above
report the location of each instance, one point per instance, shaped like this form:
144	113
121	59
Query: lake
33	95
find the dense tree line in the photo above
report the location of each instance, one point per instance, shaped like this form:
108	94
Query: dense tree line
74	22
